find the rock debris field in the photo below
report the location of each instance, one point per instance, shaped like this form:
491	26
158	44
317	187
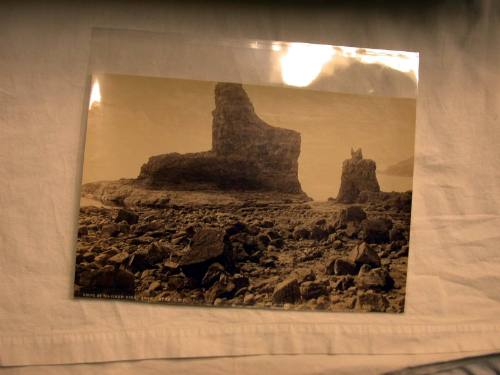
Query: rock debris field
256	253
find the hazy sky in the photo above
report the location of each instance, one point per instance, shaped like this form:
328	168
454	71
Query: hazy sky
139	117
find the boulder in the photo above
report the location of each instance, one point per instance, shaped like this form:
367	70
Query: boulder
352	229
111	229
128	216
110	280
236	228
151	226
84	277
206	244
351	214
147	257
358	175
138	260
377	278
177	282
364	254
319	233
287	291
304	275
396	234
249	299
301	233
312	289
330	266
155	285
343	283
226	287
247	153
213	274
371	302
223	288
344	266
404	251
376	230
119	258
267	224
240	281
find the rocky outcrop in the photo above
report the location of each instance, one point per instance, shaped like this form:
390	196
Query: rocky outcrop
247	153
358	175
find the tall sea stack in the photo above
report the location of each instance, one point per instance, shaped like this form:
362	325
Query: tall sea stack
358	175
247	153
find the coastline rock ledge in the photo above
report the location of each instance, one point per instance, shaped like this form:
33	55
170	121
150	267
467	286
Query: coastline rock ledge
247	153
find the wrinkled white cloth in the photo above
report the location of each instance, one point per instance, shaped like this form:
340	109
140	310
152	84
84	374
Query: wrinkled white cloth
453	290
246	365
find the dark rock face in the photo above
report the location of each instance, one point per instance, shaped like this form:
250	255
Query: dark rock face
312	289
226	287
110	280
146	257
206	244
111	229
344	266
377	278
287	291
301	233
358	175
215	270
127	215
247	153
319	232
344	283
350	214
364	254
371	302
376	230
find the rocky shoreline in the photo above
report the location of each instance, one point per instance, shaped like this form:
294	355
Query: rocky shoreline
251	250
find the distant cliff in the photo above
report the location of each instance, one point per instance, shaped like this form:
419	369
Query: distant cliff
247	153
402	169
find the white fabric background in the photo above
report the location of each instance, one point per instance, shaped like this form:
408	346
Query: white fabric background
453	290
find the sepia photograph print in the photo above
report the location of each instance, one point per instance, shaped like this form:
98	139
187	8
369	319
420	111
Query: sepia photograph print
237	195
